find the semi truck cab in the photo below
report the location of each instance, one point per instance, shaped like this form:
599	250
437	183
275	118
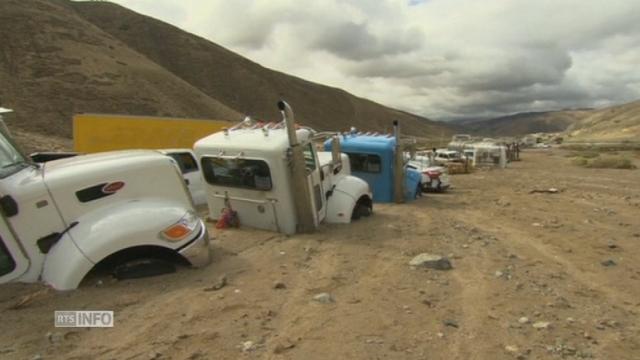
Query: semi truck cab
60	219
248	168
372	158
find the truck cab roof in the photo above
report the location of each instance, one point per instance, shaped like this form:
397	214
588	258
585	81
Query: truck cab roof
368	143
252	142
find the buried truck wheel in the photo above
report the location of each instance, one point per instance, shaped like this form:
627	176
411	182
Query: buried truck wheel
141	261
364	207
141	268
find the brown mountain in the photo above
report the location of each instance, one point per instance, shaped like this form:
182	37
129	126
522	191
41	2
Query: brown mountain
54	63
59	57
524	123
616	123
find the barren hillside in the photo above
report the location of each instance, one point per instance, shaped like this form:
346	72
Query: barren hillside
59	57
242	84
616	123
54	63
524	123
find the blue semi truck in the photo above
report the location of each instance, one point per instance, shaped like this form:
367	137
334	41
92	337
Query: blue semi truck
373	159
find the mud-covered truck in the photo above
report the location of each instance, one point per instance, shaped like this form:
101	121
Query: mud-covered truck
61	219
255	169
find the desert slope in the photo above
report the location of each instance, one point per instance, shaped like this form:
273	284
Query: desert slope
616	123
55	63
524	123
242	84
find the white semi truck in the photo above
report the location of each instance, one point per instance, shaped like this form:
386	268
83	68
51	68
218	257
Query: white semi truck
252	168
60	219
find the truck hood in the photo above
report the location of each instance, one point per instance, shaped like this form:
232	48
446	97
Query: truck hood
77	165
78	184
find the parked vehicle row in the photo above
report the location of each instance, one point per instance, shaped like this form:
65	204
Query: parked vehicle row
136	209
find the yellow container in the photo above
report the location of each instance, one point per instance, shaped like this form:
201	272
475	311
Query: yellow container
102	132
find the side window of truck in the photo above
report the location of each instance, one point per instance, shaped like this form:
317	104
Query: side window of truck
7	264
240	173
365	162
185	161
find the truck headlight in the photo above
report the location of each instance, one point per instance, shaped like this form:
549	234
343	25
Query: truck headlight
183	228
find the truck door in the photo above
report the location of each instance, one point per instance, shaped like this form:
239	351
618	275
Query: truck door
13	262
315	182
192	176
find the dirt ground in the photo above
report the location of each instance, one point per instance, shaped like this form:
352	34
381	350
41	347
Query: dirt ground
515	255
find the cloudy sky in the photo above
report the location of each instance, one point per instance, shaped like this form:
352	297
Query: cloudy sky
438	58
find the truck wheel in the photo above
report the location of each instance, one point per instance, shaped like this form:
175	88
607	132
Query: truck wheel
363	208
140	268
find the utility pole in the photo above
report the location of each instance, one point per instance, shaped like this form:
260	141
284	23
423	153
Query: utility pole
305	213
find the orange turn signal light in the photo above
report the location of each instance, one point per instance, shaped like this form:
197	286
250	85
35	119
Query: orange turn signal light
176	232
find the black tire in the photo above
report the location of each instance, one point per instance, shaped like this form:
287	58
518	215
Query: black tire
141	268
362	208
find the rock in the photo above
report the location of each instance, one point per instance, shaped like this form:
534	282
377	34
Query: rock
537	224
451	323
612	245
523	320
248	346
54	338
541	324
280	348
570	320
154	355
222	282
374	341
279	285
440	335
503	201
608	263
323	298
431	261
37	357
498	274
511	348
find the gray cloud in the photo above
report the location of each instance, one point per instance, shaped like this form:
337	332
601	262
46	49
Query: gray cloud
355	42
437	58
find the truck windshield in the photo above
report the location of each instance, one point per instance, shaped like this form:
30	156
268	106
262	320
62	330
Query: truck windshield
11	160
241	173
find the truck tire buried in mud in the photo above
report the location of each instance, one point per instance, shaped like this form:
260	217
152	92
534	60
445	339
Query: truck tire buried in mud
141	268
363	207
